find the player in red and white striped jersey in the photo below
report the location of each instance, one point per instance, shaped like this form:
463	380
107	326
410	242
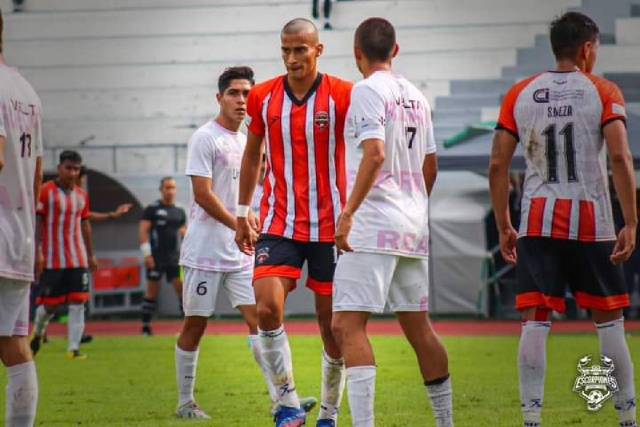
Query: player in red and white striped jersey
300	117
563	118
66	250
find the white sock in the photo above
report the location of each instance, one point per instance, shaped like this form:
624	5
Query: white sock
276	355
22	395
41	320
361	387
75	327
256	350
439	392
532	364
186	362
334	378
614	346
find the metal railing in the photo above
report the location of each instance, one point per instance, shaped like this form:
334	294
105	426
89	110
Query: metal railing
131	159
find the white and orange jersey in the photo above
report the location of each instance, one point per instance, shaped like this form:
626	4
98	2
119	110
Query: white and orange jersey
62	213
393	218
214	152
20	125
558	117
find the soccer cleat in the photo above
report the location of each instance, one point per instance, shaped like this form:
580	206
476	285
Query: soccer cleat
76	355
191	410
86	339
306	403
35	343
326	423
287	416
146	330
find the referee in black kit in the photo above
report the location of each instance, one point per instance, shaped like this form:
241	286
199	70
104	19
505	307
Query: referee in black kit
162	226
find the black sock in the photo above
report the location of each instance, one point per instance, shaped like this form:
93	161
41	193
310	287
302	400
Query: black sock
148	308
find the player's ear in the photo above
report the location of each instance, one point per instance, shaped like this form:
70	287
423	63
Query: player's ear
357	53
395	51
319	49
218	97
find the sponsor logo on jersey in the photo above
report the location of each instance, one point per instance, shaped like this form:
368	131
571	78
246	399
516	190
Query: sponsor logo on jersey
595	384
541	95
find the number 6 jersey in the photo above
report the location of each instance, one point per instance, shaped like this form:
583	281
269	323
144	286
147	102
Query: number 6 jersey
559	117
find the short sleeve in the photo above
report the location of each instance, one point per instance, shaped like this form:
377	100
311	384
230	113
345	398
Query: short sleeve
200	155
39	148
368	112
506	119
431	141
41	209
254	120
612	102
149	213
84	215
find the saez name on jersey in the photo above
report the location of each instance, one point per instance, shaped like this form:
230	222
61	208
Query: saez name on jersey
561	111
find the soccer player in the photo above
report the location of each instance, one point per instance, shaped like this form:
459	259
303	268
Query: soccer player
563	118
209	255
382	233
20	179
67	251
161	227
301	117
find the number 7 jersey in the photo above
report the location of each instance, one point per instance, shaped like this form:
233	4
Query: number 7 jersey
559	117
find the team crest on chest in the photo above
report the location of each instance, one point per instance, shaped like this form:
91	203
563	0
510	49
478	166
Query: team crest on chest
321	120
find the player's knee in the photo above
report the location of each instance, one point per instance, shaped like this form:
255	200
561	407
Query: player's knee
269	312
339	327
14	351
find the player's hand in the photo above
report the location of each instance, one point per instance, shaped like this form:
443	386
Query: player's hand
345	221
246	236
149	263
121	210
93	264
38	265
508	239
254	222
624	246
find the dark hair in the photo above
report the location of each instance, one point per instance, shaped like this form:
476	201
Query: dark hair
83	171
376	37
165	179
71	156
233	73
570	32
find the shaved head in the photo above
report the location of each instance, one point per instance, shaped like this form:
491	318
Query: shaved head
301	26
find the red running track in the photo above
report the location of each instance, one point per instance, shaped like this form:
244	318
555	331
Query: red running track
306	327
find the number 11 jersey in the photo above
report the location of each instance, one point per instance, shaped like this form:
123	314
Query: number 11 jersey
559	117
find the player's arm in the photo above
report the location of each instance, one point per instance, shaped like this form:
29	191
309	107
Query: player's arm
250	168
623	173
504	145
105	216
211	204
430	171
370	165
143	235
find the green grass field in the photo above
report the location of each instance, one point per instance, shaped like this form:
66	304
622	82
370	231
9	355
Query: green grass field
130	381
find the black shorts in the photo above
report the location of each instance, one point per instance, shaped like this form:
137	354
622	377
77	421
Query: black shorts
547	266
171	271
278	256
61	285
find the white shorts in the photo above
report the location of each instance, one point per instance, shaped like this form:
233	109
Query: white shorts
200	289
14	307
366	281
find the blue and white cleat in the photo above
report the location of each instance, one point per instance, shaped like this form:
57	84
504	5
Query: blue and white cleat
306	403
287	416
326	423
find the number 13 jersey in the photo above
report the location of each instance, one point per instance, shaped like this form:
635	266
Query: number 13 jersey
559	117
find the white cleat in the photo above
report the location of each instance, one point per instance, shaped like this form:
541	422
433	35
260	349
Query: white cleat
192	410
